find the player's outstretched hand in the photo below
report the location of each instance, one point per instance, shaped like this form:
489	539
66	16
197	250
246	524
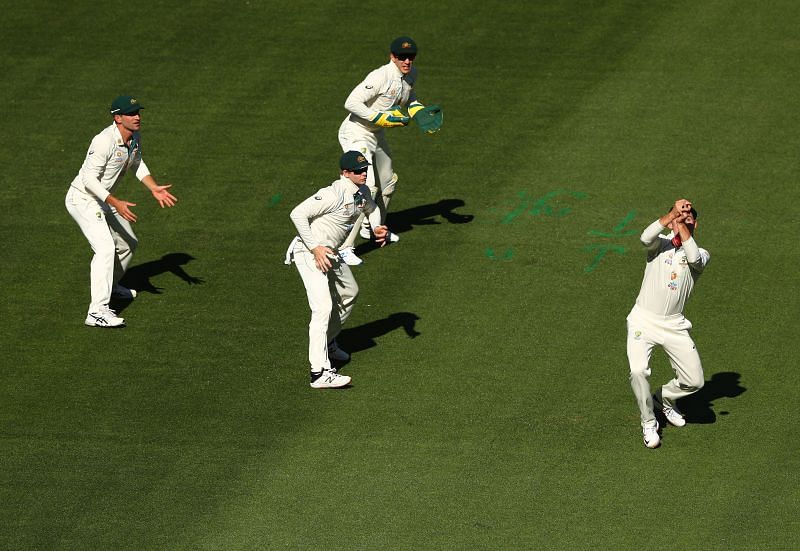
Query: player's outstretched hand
122	207
322	256
163	196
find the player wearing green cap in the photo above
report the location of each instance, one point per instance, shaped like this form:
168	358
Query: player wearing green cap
104	219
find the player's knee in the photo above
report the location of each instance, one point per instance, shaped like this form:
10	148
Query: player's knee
639	371
350	297
693	383
105	252
128	248
319	319
388	188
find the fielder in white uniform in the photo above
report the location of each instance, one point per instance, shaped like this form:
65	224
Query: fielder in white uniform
674	262
373	106
323	222
105	219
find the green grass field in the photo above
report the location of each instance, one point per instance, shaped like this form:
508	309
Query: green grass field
490	407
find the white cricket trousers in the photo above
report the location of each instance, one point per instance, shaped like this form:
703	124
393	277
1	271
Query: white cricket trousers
354	137
645	332
331	296
112	239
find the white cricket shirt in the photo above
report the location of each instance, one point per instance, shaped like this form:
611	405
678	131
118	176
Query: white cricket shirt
383	88
326	217
671	272
107	162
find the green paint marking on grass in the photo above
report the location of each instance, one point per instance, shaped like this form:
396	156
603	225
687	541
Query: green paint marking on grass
543	206
601	250
617	230
274	200
508	255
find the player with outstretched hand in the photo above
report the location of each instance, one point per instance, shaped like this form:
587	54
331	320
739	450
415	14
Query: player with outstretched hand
105	219
674	262
323	222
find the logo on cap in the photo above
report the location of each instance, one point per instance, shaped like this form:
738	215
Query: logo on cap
406	44
133	101
361	159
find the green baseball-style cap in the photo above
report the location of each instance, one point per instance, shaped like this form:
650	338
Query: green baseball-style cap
403	45
125	105
353	160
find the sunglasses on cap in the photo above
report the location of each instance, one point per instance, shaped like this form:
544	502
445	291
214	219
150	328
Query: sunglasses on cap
403	57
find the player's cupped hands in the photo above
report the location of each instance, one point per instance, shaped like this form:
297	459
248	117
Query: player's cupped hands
381	233
163	196
682	206
322	257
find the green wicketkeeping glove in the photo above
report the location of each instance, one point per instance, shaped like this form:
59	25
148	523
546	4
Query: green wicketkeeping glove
429	119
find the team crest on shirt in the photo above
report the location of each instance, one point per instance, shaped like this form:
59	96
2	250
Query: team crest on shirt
637	335
99	215
683	261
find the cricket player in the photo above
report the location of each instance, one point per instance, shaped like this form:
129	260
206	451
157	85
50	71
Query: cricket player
105	219
374	105
674	262
323	222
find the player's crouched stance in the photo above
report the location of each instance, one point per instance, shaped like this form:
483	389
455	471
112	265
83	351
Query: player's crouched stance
105	219
674	262
323	222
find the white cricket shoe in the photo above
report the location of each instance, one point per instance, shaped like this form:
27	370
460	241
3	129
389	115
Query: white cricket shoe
673	416
348	254
393	237
105	317
365	232
651	437
328	378
123	292
335	353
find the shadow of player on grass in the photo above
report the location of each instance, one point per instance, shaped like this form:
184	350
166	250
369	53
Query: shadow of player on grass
356	339
698	408
423	215
138	277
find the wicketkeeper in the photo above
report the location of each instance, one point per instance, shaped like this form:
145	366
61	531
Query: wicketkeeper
384	99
